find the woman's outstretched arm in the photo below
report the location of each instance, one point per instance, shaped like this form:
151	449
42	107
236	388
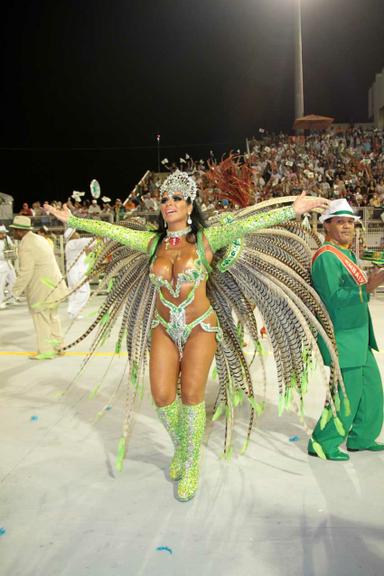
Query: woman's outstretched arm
221	235
136	239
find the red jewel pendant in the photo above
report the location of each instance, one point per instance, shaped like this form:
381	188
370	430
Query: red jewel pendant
174	241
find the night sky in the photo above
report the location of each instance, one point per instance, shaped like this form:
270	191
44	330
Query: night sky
87	85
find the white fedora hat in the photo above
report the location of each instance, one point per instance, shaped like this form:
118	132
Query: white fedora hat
21	222
340	209
69	232
3	228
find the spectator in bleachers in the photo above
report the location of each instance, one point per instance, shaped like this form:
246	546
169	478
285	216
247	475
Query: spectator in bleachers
106	212
94	209
133	202
26	210
375	200
118	210
348	164
37	210
150	202
335	163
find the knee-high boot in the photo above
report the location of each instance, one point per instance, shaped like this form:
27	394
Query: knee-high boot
170	418
192	432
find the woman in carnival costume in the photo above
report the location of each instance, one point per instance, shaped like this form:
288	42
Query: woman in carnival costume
178	289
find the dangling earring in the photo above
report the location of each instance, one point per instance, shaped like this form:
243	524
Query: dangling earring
165	223
189	221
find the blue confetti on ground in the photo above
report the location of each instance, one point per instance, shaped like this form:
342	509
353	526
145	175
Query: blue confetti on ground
294	438
34	418
164	549
2	531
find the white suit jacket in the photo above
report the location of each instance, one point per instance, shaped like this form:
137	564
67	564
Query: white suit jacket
37	261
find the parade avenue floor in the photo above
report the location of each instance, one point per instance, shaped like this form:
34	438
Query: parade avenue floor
66	511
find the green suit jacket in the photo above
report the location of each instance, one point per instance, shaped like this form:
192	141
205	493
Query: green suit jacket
347	305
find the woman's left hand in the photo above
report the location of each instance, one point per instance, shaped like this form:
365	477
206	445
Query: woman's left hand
304	203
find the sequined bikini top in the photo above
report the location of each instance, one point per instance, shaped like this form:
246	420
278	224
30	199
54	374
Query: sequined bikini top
194	275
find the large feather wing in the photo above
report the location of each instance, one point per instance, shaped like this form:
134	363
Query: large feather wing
269	270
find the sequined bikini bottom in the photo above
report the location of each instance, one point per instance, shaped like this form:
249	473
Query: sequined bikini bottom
179	331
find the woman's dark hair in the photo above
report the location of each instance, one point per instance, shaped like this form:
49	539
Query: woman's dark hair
198	222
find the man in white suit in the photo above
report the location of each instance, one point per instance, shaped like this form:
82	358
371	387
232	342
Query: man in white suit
41	280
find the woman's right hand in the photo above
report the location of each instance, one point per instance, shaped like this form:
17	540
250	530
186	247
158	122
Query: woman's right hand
62	215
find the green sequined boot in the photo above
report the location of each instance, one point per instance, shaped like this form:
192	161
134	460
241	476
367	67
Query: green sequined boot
170	418
192	432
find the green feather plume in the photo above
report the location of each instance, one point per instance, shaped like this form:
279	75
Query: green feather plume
218	412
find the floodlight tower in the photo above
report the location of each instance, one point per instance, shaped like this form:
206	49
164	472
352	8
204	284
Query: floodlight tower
299	83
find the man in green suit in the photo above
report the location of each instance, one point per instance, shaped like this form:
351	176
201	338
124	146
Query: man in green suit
344	288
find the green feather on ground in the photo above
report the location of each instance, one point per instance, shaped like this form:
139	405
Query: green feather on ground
120	454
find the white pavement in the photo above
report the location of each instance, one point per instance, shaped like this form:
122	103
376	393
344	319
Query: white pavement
65	511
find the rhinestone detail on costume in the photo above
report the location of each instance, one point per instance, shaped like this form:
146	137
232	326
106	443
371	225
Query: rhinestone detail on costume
179	182
232	253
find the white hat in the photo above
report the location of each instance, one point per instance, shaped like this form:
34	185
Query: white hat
69	232
3	228
21	222
340	208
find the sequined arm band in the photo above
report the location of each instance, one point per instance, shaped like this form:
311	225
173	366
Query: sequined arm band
136	239
223	234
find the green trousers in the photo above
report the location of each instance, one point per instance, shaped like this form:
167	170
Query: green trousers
363	425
